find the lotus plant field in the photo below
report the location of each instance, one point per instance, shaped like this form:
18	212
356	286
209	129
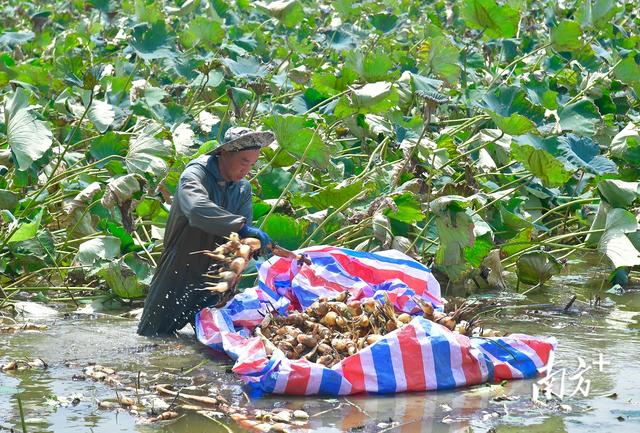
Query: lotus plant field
473	135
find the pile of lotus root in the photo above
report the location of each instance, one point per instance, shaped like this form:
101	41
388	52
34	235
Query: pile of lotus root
330	329
333	329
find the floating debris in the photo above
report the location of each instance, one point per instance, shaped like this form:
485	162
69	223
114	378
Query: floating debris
19	365
9	329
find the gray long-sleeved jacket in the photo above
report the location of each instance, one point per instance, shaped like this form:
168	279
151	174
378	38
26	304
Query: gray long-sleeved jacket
205	209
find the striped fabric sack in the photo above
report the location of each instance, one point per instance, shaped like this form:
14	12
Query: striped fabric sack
421	355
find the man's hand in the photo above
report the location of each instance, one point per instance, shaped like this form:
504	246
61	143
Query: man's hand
249	231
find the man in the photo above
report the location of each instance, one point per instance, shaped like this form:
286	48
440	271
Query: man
212	200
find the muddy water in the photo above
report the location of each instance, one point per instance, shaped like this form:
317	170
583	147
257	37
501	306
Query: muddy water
55	401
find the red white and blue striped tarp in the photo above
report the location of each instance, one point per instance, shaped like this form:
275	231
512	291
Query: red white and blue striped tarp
421	355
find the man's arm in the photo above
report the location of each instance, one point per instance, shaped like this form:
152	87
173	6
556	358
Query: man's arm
197	207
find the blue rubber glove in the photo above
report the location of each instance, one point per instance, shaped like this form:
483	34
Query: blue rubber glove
249	231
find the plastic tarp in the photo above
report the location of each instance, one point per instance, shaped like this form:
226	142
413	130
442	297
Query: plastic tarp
421	355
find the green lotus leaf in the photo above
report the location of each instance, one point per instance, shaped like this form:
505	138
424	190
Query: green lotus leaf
537	267
619	193
330	196
615	243
626	144
147	154
496	21
371	66
286	231
101	114
28	137
581	117
339	40
443	59
507	100
8	199
26	230
371	94
539	93
383	21
583	153
203	31
123	280
515	124
541	164
246	67
566	36
628	71
93	251
294	137
596	13
456	235
289	12
408	209
152	42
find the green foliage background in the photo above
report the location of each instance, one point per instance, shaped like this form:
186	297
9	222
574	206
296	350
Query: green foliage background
445	129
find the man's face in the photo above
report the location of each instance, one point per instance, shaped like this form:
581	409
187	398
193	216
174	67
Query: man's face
236	165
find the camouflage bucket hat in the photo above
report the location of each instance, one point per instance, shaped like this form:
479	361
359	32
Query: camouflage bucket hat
237	139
